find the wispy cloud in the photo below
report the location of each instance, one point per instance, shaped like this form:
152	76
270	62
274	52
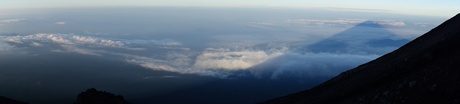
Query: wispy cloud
165	65
54	38
11	20
390	22
36	44
63	39
60	23
64	42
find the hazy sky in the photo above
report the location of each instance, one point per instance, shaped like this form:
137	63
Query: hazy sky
445	8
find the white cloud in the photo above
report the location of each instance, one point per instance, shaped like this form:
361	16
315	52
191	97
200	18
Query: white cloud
64	39
11	20
84	39
164	65
212	62
36	44
99	42
390	23
13	39
225	59
264	64
56	38
422	24
65	42
60	23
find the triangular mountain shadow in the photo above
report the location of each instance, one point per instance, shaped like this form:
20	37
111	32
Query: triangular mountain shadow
366	38
426	70
363	38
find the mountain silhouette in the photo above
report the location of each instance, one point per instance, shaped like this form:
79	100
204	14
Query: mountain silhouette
362	38
426	70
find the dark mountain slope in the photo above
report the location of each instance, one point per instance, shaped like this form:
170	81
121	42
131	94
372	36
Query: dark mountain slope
426	70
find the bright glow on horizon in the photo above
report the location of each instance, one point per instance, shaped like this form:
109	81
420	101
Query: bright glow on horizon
446	8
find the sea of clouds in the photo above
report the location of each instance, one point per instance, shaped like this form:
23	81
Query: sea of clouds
218	61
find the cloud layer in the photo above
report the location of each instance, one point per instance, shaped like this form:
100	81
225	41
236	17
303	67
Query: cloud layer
268	62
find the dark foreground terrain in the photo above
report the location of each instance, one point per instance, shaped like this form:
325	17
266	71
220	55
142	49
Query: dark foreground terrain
90	96
426	70
5	100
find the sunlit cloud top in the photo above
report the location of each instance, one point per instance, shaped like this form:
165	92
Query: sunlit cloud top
444	8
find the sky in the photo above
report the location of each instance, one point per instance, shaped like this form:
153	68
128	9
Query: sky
414	7
164	49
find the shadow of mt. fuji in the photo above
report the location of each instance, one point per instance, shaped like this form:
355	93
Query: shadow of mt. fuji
325	59
368	37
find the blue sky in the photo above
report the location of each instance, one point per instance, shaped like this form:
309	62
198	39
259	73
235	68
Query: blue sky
445	8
